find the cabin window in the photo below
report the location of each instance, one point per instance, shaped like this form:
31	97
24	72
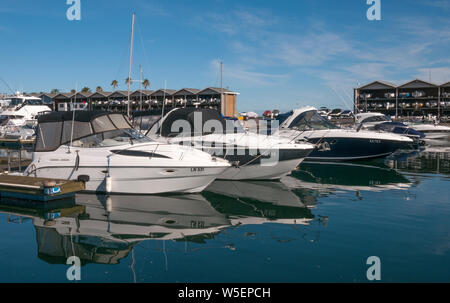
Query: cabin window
80	129
102	124
48	136
111	138
311	120
119	121
376	119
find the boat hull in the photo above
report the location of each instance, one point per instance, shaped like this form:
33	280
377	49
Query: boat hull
350	149
139	180
271	164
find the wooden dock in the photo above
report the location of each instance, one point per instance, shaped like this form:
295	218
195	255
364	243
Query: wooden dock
38	189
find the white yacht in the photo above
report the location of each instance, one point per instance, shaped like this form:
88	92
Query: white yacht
19	100
382	122
103	150
254	157
334	143
20	123
433	131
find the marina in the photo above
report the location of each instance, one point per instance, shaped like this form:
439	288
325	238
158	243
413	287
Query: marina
254	165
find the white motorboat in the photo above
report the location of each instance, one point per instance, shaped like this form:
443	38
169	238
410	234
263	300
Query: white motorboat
433	131
254	156
19	123
334	143
110	156
382	122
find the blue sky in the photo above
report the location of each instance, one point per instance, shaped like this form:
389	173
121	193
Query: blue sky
277	54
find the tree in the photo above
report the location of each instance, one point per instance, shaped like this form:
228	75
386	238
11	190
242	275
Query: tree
114	84
73	91
128	80
54	91
146	83
85	90
98	89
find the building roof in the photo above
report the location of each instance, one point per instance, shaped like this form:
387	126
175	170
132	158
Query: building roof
187	91
445	84
160	92
63	96
145	92
215	90
119	93
417	83
378	85
48	95
100	94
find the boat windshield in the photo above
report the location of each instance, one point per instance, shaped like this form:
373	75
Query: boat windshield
380	118
311	120
16	101
111	138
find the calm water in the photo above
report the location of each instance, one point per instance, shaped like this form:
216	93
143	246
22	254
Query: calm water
318	225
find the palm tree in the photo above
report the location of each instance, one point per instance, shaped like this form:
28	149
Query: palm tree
146	83
114	84
98	89
73	91
85	90
54	91
128	80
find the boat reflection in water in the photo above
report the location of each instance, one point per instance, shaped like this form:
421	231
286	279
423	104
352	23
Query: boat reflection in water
258	202
105	229
326	178
432	160
112	225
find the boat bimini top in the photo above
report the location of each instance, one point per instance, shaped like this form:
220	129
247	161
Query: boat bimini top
55	129
193	122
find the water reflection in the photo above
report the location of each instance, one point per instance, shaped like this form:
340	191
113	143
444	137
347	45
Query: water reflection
331	177
432	160
105	229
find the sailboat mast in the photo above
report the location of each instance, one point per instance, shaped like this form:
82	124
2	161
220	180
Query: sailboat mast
131	61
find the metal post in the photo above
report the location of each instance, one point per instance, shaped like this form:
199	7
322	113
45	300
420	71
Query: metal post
396	103
439	104
131	61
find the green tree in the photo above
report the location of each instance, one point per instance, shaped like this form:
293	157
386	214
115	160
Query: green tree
85	90
114	84
146	83
54	91
98	89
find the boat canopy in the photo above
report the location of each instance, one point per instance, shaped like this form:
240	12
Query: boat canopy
191	122
144	120
306	118
55	129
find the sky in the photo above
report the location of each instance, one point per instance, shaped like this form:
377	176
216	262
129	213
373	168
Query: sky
277	54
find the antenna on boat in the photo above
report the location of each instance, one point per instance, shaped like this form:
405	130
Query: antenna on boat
73	114
131	60
164	103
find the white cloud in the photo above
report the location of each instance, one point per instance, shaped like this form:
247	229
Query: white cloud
246	75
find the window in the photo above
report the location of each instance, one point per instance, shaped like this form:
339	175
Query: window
111	138
311	120
51	140
102	124
383	118
119	121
